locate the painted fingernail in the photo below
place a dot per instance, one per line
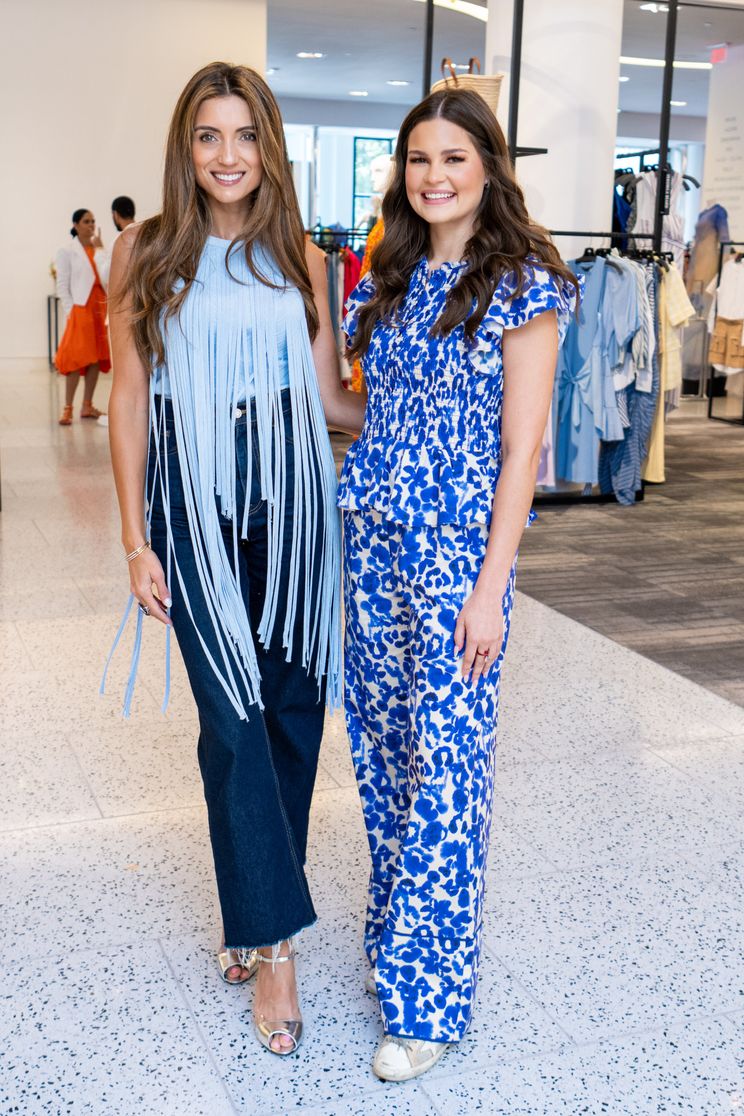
(168, 602)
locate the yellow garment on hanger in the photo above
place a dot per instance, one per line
(675, 310)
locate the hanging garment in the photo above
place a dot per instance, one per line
(728, 308)
(620, 462)
(711, 229)
(726, 351)
(580, 391)
(673, 224)
(676, 311)
(352, 272)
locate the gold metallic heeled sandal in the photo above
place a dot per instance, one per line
(244, 959)
(268, 1029)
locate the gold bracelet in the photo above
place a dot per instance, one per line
(136, 553)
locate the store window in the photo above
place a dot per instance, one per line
(365, 199)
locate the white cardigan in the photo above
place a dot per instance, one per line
(75, 276)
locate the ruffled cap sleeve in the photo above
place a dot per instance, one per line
(542, 291)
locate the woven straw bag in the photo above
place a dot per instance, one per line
(487, 86)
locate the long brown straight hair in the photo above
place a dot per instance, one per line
(505, 239)
(166, 251)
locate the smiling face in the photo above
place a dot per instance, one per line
(85, 228)
(227, 159)
(445, 177)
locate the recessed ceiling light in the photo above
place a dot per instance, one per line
(659, 63)
(271, 70)
(397, 83)
(623, 78)
(655, 8)
(358, 93)
(310, 54)
(678, 104)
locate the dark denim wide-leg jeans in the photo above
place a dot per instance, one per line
(258, 773)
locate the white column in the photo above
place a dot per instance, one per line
(94, 84)
(568, 102)
(723, 180)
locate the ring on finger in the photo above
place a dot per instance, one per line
(485, 654)
(144, 609)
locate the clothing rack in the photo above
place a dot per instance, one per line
(722, 418)
(562, 499)
(333, 240)
(637, 155)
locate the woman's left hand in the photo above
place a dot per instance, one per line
(480, 630)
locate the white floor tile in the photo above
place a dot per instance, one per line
(135, 769)
(625, 948)
(696, 1069)
(42, 783)
(109, 1033)
(103, 883)
(717, 765)
(610, 809)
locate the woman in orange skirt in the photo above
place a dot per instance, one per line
(82, 277)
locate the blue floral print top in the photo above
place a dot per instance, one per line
(430, 450)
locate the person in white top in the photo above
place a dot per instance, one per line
(82, 279)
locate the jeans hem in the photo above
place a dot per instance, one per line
(268, 945)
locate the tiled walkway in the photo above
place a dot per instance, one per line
(613, 980)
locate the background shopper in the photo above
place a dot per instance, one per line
(122, 213)
(82, 276)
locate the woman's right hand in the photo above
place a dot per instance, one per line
(147, 582)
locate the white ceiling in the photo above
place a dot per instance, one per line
(698, 29)
(368, 43)
(365, 45)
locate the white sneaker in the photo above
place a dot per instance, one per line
(400, 1059)
(370, 983)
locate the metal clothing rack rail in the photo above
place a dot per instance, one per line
(637, 155)
(333, 240)
(712, 377)
(560, 499)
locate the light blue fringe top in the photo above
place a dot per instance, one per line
(236, 338)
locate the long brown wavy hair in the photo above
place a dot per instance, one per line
(504, 235)
(168, 246)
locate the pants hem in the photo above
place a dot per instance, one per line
(267, 945)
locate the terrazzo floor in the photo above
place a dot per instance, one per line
(613, 976)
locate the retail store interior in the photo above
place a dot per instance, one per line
(613, 971)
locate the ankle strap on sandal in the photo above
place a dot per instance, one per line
(275, 958)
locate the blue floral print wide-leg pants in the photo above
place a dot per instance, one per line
(424, 747)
